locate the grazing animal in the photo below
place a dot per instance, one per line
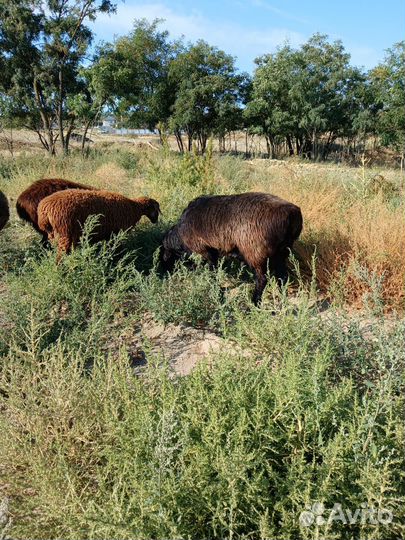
(64, 213)
(257, 227)
(28, 201)
(4, 210)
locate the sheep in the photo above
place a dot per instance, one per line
(259, 228)
(64, 213)
(4, 210)
(28, 201)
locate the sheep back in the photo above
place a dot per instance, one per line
(253, 225)
(29, 199)
(64, 213)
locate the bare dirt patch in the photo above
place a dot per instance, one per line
(182, 345)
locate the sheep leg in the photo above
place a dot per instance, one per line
(64, 246)
(212, 256)
(260, 284)
(167, 259)
(44, 236)
(279, 267)
(45, 241)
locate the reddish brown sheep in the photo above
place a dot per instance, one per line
(4, 210)
(258, 227)
(28, 201)
(63, 214)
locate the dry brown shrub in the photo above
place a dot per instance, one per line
(346, 232)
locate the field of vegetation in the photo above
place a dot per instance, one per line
(302, 404)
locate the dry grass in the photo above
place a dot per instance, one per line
(349, 227)
(111, 176)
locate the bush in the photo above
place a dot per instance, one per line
(238, 448)
(192, 297)
(127, 160)
(74, 300)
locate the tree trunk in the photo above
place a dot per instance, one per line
(62, 141)
(86, 129)
(221, 144)
(202, 138)
(179, 141)
(48, 141)
(268, 146)
(307, 148)
(314, 146)
(273, 148)
(298, 143)
(189, 141)
(290, 145)
(68, 134)
(327, 146)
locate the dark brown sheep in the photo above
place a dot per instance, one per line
(63, 214)
(28, 201)
(257, 227)
(4, 210)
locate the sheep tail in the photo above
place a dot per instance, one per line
(46, 226)
(295, 223)
(22, 213)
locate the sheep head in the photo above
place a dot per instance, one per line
(151, 208)
(171, 250)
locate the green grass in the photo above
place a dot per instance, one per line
(298, 407)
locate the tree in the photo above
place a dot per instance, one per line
(209, 94)
(42, 47)
(134, 72)
(271, 112)
(362, 114)
(388, 84)
(326, 89)
(305, 97)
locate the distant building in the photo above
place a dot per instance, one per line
(108, 125)
(129, 131)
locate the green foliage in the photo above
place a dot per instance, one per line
(387, 81)
(238, 448)
(41, 52)
(133, 73)
(75, 299)
(193, 298)
(234, 172)
(306, 96)
(127, 160)
(304, 100)
(190, 171)
(209, 94)
(197, 170)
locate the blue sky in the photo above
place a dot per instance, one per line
(250, 28)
